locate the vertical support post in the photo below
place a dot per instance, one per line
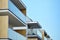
(42, 34)
(3, 26)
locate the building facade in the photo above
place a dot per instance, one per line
(12, 14)
(13, 23)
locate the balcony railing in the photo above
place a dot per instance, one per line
(16, 11)
(15, 36)
(32, 31)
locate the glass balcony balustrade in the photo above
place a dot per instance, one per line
(32, 31)
(14, 35)
(12, 8)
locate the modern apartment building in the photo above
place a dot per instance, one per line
(12, 15)
(13, 23)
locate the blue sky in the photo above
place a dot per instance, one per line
(47, 13)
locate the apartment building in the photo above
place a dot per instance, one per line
(12, 15)
(13, 23)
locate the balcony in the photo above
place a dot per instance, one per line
(33, 30)
(16, 17)
(33, 27)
